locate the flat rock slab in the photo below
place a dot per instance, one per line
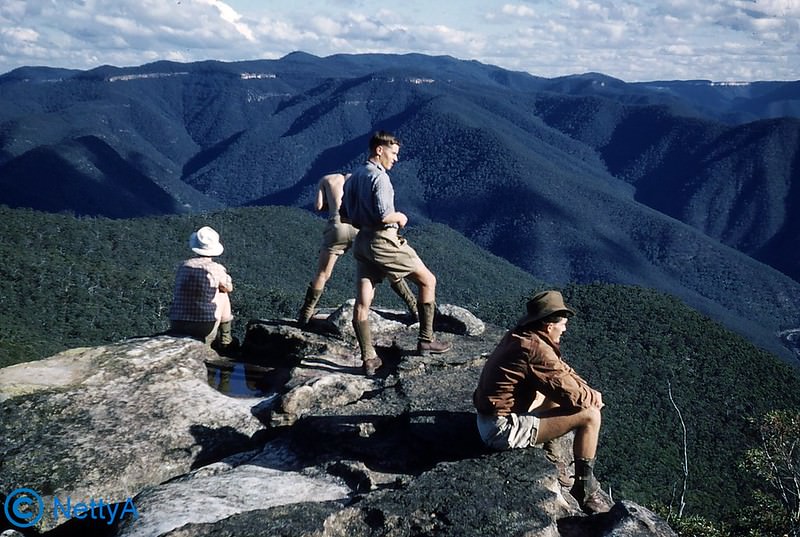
(108, 421)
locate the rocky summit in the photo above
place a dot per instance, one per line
(160, 436)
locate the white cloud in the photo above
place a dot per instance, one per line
(20, 35)
(326, 26)
(518, 10)
(679, 50)
(774, 8)
(121, 32)
(123, 25)
(616, 31)
(629, 39)
(228, 14)
(12, 9)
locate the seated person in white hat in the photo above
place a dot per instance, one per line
(201, 307)
(528, 395)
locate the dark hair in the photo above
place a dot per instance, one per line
(381, 138)
(552, 318)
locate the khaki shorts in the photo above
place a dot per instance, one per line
(337, 237)
(508, 432)
(384, 254)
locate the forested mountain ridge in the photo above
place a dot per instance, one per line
(534, 170)
(739, 185)
(732, 103)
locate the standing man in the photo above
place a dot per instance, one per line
(336, 240)
(368, 204)
(528, 395)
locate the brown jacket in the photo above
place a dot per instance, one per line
(524, 363)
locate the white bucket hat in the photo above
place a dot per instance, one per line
(205, 241)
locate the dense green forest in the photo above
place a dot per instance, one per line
(68, 282)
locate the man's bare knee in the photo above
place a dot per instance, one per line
(593, 416)
(425, 278)
(431, 279)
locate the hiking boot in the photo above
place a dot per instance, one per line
(425, 348)
(371, 365)
(596, 501)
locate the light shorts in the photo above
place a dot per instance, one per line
(337, 237)
(508, 432)
(384, 254)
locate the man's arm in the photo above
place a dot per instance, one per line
(383, 192)
(396, 218)
(224, 280)
(344, 215)
(321, 204)
(561, 384)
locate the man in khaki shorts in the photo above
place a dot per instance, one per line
(528, 395)
(368, 204)
(337, 238)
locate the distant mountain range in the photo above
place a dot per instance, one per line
(690, 187)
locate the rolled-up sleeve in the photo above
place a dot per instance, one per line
(383, 196)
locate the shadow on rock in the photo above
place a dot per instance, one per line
(407, 444)
(276, 343)
(216, 444)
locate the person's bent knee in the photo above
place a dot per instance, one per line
(426, 278)
(593, 416)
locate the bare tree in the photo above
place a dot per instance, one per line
(682, 503)
(777, 461)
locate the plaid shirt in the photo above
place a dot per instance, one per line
(196, 285)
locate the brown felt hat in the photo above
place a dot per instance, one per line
(543, 305)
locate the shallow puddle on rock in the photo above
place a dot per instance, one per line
(242, 379)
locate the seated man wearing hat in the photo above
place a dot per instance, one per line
(528, 395)
(201, 307)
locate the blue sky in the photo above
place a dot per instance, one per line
(634, 40)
